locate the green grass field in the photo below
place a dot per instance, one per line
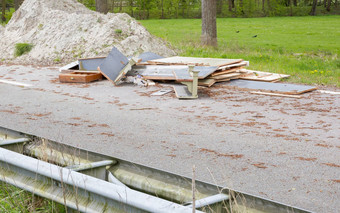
(307, 48)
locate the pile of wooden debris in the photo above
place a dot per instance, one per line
(190, 72)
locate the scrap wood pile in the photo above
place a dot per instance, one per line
(189, 72)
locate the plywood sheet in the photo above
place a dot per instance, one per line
(178, 60)
(147, 56)
(292, 89)
(113, 64)
(164, 72)
(90, 63)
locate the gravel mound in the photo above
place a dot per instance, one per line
(64, 30)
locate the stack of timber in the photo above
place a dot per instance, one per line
(211, 70)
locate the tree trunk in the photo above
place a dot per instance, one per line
(162, 5)
(101, 6)
(120, 6)
(325, 3)
(233, 3)
(230, 5)
(209, 29)
(263, 5)
(336, 3)
(313, 11)
(131, 7)
(269, 6)
(329, 5)
(3, 11)
(295, 3)
(219, 6)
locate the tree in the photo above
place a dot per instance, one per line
(3, 11)
(329, 5)
(101, 6)
(313, 11)
(209, 29)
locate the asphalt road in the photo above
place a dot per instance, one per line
(285, 149)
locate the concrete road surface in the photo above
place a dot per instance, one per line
(285, 149)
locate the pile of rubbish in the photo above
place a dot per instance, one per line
(64, 30)
(188, 72)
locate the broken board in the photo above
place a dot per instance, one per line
(178, 60)
(76, 77)
(115, 66)
(164, 72)
(292, 89)
(262, 76)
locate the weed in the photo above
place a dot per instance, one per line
(118, 31)
(40, 26)
(22, 48)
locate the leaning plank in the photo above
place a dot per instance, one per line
(115, 66)
(164, 72)
(262, 76)
(275, 94)
(178, 60)
(70, 67)
(291, 89)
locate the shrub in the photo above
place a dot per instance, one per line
(22, 48)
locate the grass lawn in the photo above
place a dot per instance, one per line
(307, 48)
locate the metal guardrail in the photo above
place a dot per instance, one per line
(77, 191)
(90, 182)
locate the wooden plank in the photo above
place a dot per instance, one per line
(242, 64)
(208, 82)
(275, 94)
(79, 77)
(227, 76)
(235, 69)
(178, 60)
(291, 89)
(262, 76)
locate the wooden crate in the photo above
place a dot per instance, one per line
(76, 77)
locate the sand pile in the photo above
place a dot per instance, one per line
(65, 30)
